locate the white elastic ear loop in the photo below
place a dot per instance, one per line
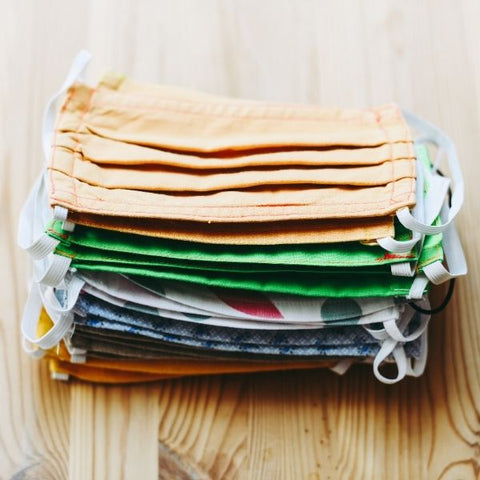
(444, 143)
(396, 333)
(391, 347)
(76, 71)
(425, 210)
(454, 256)
(32, 350)
(418, 287)
(399, 246)
(62, 316)
(31, 236)
(31, 314)
(36, 243)
(49, 268)
(416, 366)
(51, 271)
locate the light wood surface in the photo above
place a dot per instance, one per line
(425, 55)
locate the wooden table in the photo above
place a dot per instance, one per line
(424, 55)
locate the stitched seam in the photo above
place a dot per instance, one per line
(411, 151)
(387, 140)
(171, 215)
(240, 103)
(226, 101)
(290, 116)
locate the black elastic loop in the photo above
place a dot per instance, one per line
(445, 302)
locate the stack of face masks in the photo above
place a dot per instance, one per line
(178, 233)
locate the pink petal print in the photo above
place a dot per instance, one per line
(253, 303)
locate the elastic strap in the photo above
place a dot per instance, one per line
(62, 316)
(446, 148)
(36, 242)
(377, 334)
(61, 213)
(392, 344)
(399, 246)
(418, 287)
(390, 347)
(33, 241)
(32, 350)
(77, 355)
(416, 366)
(76, 71)
(52, 270)
(49, 268)
(404, 269)
(396, 333)
(64, 377)
(436, 272)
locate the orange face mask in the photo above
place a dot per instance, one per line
(132, 151)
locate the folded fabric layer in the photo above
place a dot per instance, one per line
(351, 341)
(234, 206)
(298, 283)
(99, 246)
(351, 254)
(200, 302)
(273, 233)
(331, 313)
(105, 151)
(188, 121)
(174, 180)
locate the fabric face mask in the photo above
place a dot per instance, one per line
(201, 300)
(182, 120)
(233, 206)
(167, 179)
(242, 119)
(94, 313)
(271, 233)
(115, 370)
(143, 253)
(343, 315)
(112, 245)
(100, 161)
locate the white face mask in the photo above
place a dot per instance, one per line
(232, 304)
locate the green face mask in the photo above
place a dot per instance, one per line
(321, 281)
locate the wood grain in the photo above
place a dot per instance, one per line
(425, 55)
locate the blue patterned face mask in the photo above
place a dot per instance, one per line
(94, 318)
